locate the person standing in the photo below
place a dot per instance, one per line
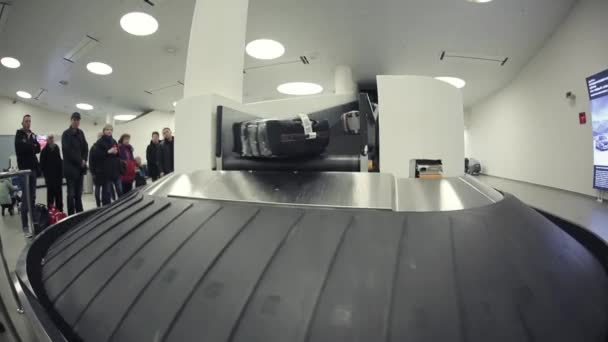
(126, 156)
(106, 155)
(140, 173)
(75, 155)
(153, 156)
(95, 172)
(26, 148)
(167, 156)
(52, 169)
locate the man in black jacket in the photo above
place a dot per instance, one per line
(167, 156)
(26, 148)
(75, 154)
(52, 168)
(153, 156)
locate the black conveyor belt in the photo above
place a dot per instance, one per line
(161, 269)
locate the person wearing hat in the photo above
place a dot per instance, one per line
(75, 154)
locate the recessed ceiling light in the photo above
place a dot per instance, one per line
(24, 94)
(456, 82)
(139, 23)
(84, 106)
(99, 68)
(265, 49)
(300, 88)
(124, 117)
(10, 62)
(174, 103)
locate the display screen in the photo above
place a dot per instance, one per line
(598, 93)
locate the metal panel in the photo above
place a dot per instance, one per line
(446, 194)
(332, 189)
(345, 190)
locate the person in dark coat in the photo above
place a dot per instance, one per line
(75, 155)
(167, 155)
(94, 169)
(26, 148)
(126, 156)
(52, 169)
(140, 173)
(153, 157)
(108, 164)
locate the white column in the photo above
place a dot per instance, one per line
(216, 49)
(343, 79)
(214, 74)
(420, 118)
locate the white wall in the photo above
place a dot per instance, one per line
(420, 118)
(141, 130)
(529, 131)
(44, 121)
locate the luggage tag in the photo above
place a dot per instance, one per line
(307, 124)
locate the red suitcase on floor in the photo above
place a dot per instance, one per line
(55, 215)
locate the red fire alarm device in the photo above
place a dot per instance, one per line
(582, 118)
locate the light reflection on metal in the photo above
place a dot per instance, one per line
(329, 189)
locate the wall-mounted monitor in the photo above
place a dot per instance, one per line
(598, 94)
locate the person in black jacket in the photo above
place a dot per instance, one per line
(26, 148)
(167, 156)
(52, 169)
(108, 164)
(153, 157)
(75, 155)
(94, 168)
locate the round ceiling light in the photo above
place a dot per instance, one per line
(456, 82)
(124, 117)
(174, 103)
(99, 68)
(300, 88)
(265, 49)
(139, 23)
(24, 94)
(84, 106)
(10, 62)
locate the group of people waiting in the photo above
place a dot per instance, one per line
(112, 165)
(115, 169)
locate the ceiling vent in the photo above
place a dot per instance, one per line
(4, 9)
(81, 49)
(501, 60)
(306, 59)
(160, 89)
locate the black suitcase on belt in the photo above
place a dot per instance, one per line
(300, 137)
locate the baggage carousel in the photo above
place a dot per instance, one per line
(281, 257)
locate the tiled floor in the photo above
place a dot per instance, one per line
(13, 242)
(579, 209)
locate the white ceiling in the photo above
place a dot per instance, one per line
(40, 33)
(373, 37)
(401, 37)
